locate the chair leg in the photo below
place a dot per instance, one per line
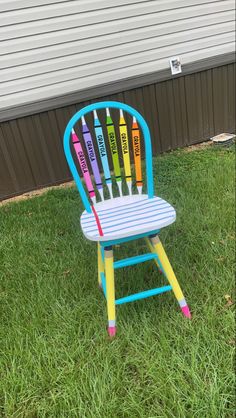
(110, 291)
(152, 249)
(100, 265)
(166, 266)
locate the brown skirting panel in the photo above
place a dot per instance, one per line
(180, 112)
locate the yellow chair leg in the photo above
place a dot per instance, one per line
(100, 265)
(166, 266)
(152, 249)
(110, 291)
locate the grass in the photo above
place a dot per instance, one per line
(56, 358)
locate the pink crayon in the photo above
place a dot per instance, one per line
(92, 156)
(83, 165)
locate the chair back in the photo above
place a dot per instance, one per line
(85, 146)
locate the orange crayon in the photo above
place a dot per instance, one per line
(137, 154)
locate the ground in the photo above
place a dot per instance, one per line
(56, 357)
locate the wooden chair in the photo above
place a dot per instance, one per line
(131, 215)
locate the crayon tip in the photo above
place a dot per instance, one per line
(72, 131)
(95, 114)
(109, 185)
(112, 331)
(83, 120)
(134, 119)
(101, 193)
(119, 187)
(121, 113)
(129, 184)
(107, 111)
(186, 311)
(140, 189)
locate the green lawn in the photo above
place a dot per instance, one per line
(56, 358)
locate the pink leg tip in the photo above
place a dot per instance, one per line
(112, 331)
(186, 311)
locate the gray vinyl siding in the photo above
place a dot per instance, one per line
(50, 48)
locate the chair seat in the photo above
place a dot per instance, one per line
(126, 216)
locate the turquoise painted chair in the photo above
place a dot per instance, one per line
(131, 215)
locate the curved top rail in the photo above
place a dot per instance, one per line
(113, 105)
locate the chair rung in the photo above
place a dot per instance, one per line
(142, 295)
(134, 260)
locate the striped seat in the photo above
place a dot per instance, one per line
(126, 216)
(101, 148)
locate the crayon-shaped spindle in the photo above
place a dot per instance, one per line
(137, 154)
(102, 151)
(125, 150)
(114, 149)
(92, 156)
(83, 165)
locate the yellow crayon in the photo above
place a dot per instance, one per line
(137, 154)
(125, 150)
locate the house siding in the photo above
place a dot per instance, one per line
(52, 48)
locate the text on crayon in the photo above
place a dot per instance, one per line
(83, 164)
(101, 145)
(136, 146)
(124, 143)
(113, 143)
(90, 150)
